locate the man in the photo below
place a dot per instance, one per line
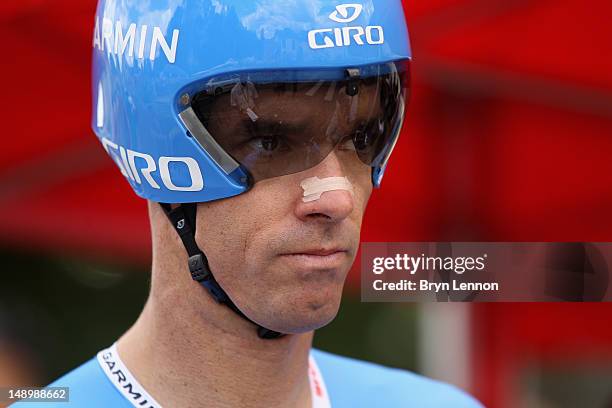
(258, 129)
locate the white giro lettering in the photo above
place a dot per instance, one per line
(315, 35)
(197, 182)
(338, 35)
(381, 35)
(346, 36)
(146, 171)
(107, 143)
(125, 162)
(357, 36)
(110, 145)
(146, 167)
(117, 39)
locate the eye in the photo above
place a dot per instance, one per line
(366, 136)
(361, 139)
(267, 144)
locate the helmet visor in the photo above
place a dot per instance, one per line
(275, 123)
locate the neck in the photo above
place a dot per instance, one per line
(186, 350)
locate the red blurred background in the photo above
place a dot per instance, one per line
(508, 139)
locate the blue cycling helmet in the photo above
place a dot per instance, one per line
(197, 100)
(152, 60)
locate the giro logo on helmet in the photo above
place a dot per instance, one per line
(346, 36)
(341, 14)
(133, 165)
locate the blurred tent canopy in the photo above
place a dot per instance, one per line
(507, 136)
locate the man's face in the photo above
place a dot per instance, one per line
(281, 260)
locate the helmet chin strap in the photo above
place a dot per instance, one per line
(183, 219)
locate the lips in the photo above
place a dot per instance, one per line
(318, 252)
(317, 258)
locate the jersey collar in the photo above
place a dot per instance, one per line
(123, 380)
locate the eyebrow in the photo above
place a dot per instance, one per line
(267, 124)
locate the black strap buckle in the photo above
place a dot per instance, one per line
(199, 268)
(200, 272)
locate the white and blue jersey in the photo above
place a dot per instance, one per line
(335, 381)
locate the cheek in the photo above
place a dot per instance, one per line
(366, 190)
(363, 190)
(230, 231)
(221, 231)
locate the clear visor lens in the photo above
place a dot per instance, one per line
(278, 127)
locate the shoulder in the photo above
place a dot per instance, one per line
(357, 383)
(88, 387)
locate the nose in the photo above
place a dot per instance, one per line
(333, 206)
